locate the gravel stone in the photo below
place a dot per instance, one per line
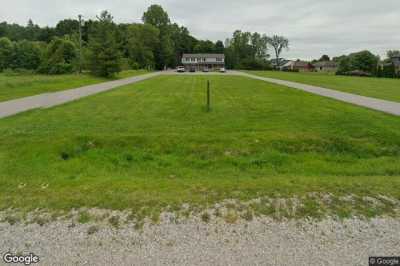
(262, 241)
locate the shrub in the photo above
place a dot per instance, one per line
(363, 63)
(26, 55)
(59, 57)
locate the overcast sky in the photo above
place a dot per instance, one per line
(314, 27)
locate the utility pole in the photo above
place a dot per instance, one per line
(80, 43)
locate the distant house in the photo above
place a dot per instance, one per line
(326, 66)
(200, 62)
(396, 63)
(281, 62)
(300, 66)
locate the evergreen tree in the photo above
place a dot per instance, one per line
(104, 58)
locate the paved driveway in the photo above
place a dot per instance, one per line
(47, 100)
(371, 103)
(13, 107)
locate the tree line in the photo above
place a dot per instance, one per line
(108, 47)
(365, 63)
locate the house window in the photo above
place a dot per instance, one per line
(192, 59)
(219, 59)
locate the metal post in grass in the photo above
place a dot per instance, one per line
(208, 97)
(80, 44)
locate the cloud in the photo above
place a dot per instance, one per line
(313, 27)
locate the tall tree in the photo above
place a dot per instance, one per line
(365, 61)
(219, 47)
(393, 53)
(67, 27)
(164, 54)
(278, 43)
(104, 56)
(324, 58)
(6, 48)
(26, 55)
(259, 44)
(204, 47)
(156, 16)
(142, 40)
(32, 31)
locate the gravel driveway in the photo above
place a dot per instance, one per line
(193, 242)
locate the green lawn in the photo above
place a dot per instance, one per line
(381, 88)
(22, 85)
(152, 144)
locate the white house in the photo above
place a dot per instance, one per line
(199, 62)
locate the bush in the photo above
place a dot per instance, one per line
(363, 63)
(59, 58)
(135, 65)
(291, 70)
(17, 72)
(26, 55)
(253, 64)
(358, 73)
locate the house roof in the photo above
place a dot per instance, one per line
(203, 56)
(396, 60)
(326, 64)
(300, 64)
(281, 62)
(288, 63)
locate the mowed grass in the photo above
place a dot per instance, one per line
(13, 86)
(153, 145)
(381, 88)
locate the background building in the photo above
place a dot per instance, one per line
(200, 62)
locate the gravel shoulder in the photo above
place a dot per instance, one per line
(262, 241)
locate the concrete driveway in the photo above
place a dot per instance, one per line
(47, 100)
(368, 102)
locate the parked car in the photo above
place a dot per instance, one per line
(222, 70)
(205, 69)
(180, 69)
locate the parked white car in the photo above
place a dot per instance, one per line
(222, 70)
(180, 69)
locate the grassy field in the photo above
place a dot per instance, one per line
(381, 88)
(152, 145)
(21, 85)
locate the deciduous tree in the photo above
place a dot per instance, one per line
(278, 43)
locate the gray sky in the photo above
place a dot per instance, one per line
(314, 27)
